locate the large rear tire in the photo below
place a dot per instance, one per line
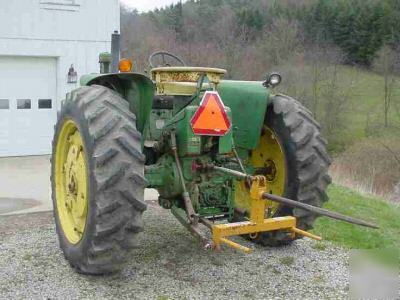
(97, 180)
(302, 174)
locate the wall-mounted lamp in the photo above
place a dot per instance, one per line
(72, 75)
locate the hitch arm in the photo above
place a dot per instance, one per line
(192, 216)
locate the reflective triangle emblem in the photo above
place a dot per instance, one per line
(211, 118)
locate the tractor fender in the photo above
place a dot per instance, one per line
(136, 88)
(248, 101)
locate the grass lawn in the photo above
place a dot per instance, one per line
(375, 210)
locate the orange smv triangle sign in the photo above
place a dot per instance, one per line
(211, 118)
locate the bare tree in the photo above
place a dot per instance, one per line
(395, 155)
(282, 41)
(385, 64)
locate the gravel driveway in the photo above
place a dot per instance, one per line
(169, 264)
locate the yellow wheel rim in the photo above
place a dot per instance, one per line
(71, 182)
(267, 159)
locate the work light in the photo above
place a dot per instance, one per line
(273, 80)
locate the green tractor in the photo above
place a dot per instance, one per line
(224, 154)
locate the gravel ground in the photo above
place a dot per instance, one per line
(169, 264)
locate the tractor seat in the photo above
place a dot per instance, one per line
(182, 81)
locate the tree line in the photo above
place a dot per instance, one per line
(359, 28)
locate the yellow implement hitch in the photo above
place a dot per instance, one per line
(257, 222)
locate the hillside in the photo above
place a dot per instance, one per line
(359, 97)
(341, 59)
(375, 210)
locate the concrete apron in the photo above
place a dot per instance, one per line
(13, 205)
(25, 185)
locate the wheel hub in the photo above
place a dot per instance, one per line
(270, 170)
(268, 160)
(71, 182)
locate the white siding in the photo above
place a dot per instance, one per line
(92, 21)
(72, 34)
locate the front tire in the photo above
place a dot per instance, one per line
(97, 184)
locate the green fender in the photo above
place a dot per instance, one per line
(248, 101)
(136, 88)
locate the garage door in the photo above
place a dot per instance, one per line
(28, 107)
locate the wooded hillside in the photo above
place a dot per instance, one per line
(340, 58)
(267, 30)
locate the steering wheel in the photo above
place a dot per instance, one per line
(165, 63)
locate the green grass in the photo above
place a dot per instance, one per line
(366, 101)
(375, 210)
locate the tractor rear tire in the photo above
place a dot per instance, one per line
(114, 181)
(307, 163)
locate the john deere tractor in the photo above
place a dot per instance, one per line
(228, 155)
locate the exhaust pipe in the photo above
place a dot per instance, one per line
(115, 51)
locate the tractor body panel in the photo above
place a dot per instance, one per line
(190, 144)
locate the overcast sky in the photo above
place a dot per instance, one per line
(146, 5)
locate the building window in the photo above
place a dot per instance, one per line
(23, 103)
(4, 104)
(68, 5)
(44, 104)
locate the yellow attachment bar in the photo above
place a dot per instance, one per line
(220, 231)
(236, 245)
(258, 204)
(305, 233)
(257, 222)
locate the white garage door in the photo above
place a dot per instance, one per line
(28, 107)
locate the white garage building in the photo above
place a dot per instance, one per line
(41, 41)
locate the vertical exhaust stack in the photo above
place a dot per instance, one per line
(115, 51)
